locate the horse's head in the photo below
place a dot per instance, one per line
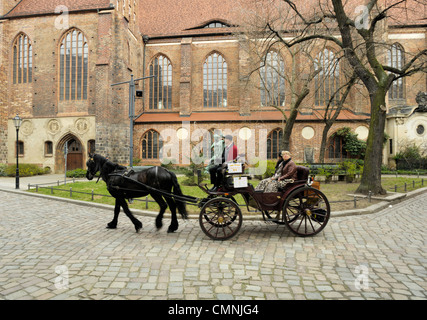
(92, 166)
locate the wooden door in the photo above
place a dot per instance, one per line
(75, 155)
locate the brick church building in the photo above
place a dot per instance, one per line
(58, 60)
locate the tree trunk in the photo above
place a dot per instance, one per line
(324, 141)
(371, 178)
(287, 131)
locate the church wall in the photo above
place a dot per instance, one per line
(114, 50)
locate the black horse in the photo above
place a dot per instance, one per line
(125, 184)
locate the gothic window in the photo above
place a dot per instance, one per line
(326, 82)
(274, 140)
(396, 59)
(272, 80)
(336, 148)
(73, 66)
(215, 81)
(161, 85)
(22, 59)
(151, 145)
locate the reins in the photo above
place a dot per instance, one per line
(191, 199)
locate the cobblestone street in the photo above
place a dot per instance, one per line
(53, 250)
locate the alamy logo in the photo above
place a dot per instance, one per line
(362, 277)
(362, 20)
(62, 22)
(62, 280)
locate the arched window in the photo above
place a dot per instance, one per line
(396, 59)
(272, 80)
(215, 81)
(161, 85)
(274, 140)
(336, 148)
(73, 66)
(326, 82)
(151, 145)
(22, 59)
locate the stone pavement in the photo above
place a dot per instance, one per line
(55, 250)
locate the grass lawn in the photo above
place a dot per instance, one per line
(335, 191)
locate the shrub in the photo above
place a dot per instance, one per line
(77, 173)
(25, 170)
(410, 158)
(327, 172)
(352, 144)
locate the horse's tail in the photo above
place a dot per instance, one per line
(182, 209)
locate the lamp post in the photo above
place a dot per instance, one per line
(131, 111)
(17, 121)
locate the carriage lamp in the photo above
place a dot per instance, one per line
(17, 121)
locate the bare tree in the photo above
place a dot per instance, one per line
(358, 31)
(284, 82)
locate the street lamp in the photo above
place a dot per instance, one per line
(17, 121)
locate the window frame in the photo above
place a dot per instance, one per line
(154, 152)
(20, 148)
(73, 66)
(160, 87)
(327, 81)
(48, 145)
(396, 59)
(267, 98)
(22, 59)
(274, 141)
(333, 145)
(214, 79)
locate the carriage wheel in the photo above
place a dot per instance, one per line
(220, 218)
(306, 211)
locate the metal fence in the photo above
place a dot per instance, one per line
(405, 185)
(147, 200)
(51, 186)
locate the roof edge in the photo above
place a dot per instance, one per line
(31, 15)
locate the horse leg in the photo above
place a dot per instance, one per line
(163, 206)
(113, 223)
(174, 221)
(135, 221)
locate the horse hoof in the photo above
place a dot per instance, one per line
(138, 227)
(159, 225)
(172, 230)
(111, 227)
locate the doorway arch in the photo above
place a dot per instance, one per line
(75, 156)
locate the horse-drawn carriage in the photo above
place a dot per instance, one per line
(302, 207)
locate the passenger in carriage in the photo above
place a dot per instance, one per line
(286, 172)
(228, 155)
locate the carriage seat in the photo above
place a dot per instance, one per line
(302, 173)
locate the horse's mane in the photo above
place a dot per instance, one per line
(109, 165)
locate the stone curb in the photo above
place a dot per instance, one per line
(396, 198)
